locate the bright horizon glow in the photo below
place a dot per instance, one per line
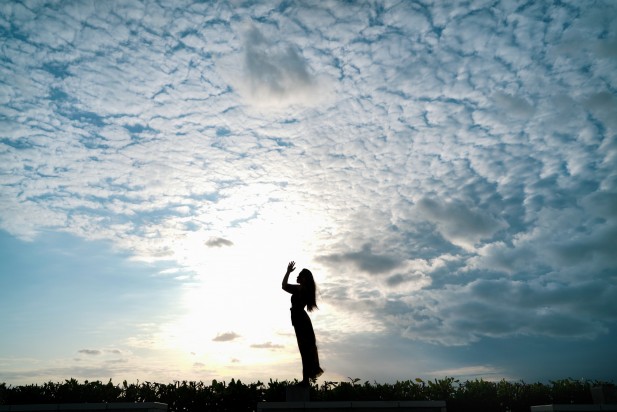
(247, 276)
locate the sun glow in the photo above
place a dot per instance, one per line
(235, 313)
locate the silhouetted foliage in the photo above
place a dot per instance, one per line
(189, 396)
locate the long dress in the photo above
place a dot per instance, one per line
(305, 336)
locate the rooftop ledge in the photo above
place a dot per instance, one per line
(87, 407)
(376, 406)
(574, 408)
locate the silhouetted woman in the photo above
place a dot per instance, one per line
(303, 295)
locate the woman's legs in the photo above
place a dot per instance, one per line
(308, 349)
(310, 360)
(302, 347)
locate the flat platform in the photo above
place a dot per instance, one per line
(88, 407)
(376, 406)
(574, 408)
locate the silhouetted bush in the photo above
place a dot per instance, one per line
(189, 396)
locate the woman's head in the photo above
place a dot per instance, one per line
(305, 278)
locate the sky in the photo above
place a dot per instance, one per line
(447, 171)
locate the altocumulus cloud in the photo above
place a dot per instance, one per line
(90, 351)
(267, 345)
(272, 72)
(226, 337)
(218, 242)
(463, 155)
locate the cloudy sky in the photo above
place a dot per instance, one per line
(448, 172)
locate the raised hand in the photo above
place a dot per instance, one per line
(291, 267)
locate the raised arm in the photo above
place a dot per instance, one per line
(286, 286)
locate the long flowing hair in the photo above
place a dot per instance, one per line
(310, 291)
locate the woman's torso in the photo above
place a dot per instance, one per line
(298, 300)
